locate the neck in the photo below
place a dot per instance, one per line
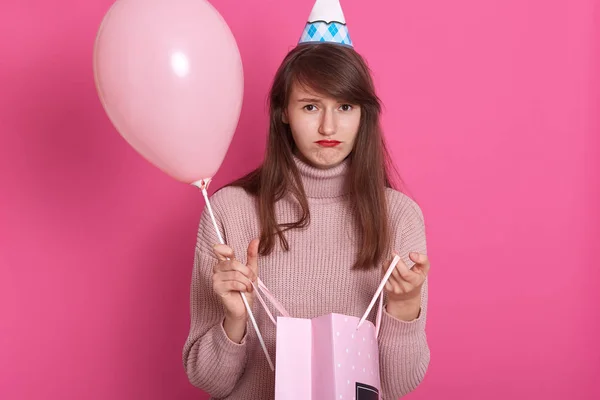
(323, 183)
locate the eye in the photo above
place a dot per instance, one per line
(346, 107)
(310, 107)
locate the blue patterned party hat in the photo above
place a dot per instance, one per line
(326, 24)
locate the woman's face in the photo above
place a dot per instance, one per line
(324, 129)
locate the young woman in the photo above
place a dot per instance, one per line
(318, 222)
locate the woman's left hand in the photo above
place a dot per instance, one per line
(405, 284)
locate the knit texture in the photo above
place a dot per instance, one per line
(313, 278)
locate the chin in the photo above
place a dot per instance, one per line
(327, 160)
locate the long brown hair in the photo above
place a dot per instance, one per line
(341, 73)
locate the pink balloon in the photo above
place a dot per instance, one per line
(169, 75)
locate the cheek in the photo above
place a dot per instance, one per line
(356, 122)
(299, 134)
(351, 127)
(302, 129)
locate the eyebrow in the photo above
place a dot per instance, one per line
(309, 100)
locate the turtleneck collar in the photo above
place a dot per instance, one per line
(323, 183)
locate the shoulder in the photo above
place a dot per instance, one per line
(233, 205)
(403, 208)
(235, 212)
(407, 224)
(231, 197)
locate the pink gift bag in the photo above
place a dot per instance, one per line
(333, 356)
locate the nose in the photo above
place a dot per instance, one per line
(328, 123)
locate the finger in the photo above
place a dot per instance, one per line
(388, 286)
(237, 266)
(240, 286)
(224, 265)
(422, 270)
(422, 264)
(417, 282)
(405, 273)
(252, 256)
(396, 273)
(223, 288)
(236, 276)
(387, 264)
(400, 286)
(239, 277)
(223, 252)
(420, 259)
(391, 286)
(234, 286)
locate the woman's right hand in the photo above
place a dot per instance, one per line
(230, 277)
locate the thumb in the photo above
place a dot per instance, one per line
(252, 259)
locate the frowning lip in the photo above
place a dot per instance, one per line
(328, 143)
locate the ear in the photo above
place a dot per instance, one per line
(284, 117)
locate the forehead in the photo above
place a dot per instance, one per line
(299, 92)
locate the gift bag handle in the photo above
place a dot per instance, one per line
(379, 293)
(260, 286)
(269, 296)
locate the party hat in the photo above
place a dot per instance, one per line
(326, 24)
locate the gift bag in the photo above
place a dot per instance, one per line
(326, 358)
(333, 356)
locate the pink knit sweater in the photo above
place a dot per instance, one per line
(311, 279)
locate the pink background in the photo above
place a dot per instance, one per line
(492, 115)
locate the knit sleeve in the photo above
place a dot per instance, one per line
(212, 361)
(404, 352)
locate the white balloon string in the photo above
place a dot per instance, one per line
(250, 314)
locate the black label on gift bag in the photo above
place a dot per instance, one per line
(366, 392)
